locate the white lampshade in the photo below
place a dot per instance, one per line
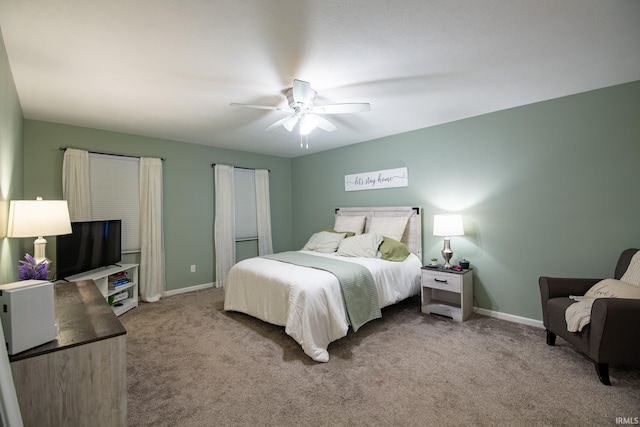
(38, 218)
(35, 218)
(448, 225)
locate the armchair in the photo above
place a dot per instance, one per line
(613, 335)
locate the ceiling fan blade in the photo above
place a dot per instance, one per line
(325, 124)
(302, 92)
(341, 108)
(288, 122)
(262, 107)
(277, 123)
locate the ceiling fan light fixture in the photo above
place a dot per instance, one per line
(308, 123)
(290, 122)
(304, 113)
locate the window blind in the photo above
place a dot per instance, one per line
(245, 204)
(114, 184)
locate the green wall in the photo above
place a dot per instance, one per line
(188, 190)
(546, 189)
(11, 166)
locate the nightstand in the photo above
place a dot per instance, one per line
(447, 292)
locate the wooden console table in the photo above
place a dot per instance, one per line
(80, 378)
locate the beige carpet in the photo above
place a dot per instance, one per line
(192, 364)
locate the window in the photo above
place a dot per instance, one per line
(245, 204)
(113, 182)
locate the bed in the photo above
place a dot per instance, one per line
(334, 282)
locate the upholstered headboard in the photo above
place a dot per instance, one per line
(413, 232)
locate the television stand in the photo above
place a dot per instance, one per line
(111, 293)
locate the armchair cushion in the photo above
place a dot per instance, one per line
(557, 308)
(560, 287)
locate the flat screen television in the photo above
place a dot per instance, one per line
(91, 245)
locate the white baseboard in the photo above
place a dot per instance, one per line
(188, 289)
(480, 311)
(509, 317)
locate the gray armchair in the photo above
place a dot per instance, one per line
(612, 337)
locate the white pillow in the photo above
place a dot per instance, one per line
(363, 245)
(354, 224)
(632, 275)
(324, 241)
(389, 226)
(612, 288)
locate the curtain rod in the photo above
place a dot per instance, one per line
(238, 167)
(107, 154)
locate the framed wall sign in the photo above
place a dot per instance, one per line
(388, 178)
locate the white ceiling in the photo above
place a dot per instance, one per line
(170, 68)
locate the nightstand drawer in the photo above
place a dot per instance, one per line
(438, 280)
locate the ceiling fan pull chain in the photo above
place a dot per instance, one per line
(304, 143)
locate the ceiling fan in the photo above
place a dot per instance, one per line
(302, 111)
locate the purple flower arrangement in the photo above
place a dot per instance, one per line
(30, 269)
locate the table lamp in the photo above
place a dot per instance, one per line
(38, 218)
(447, 226)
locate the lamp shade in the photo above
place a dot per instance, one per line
(35, 218)
(447, 225)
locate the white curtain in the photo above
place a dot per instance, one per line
(263, 211)
(75, 184)
(224, 223)
(152, 261)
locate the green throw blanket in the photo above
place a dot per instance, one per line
(358, 288)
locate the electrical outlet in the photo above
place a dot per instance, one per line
(193, 268)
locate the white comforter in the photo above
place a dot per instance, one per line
(307, 301)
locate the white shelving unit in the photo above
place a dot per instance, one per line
(101, 278)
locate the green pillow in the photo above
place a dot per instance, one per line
(392, 250)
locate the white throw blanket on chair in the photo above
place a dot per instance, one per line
(578, 315)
